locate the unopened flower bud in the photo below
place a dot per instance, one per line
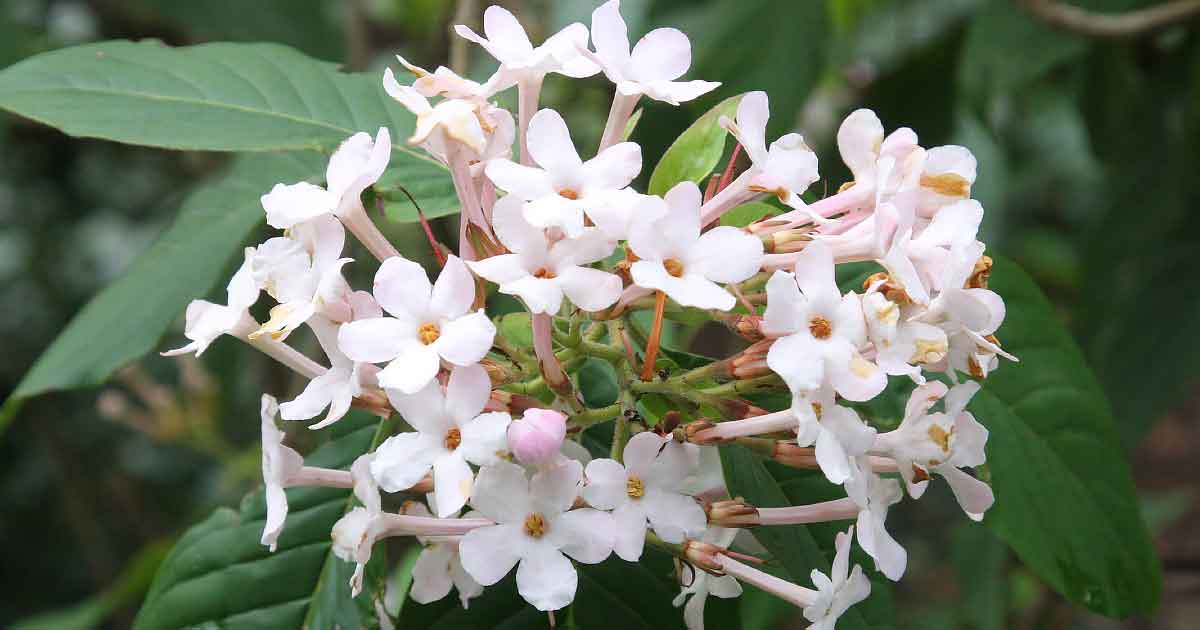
(787, 241)
(732, 513)
(703, 556)
(537, 437)
(696, 433)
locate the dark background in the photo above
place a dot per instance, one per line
(1088, 166)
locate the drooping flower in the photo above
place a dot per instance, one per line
(339, 385)
(428, 324)
(357, 164)
(821, 332)
(541, 271)
(645, 493)
(652, 67)
(279, 464)
(697, 585)
(942, 443)
(303, 272)
(205, 321)
(451, 430)
(438, 568)
(561, 191)
(675, 258)
(839, 590)
(874, 495)
(355, 533)
(535, 530)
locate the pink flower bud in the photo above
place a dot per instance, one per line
(538, 436)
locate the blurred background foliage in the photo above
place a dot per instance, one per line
(1088, 158)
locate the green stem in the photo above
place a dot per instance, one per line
(592, 417)
(744, 387)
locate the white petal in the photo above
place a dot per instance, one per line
(676, 92)
(402, 460)
(424, 409)
(609, 33)
(613, 168)
(673, 516)
(787, 310)
(415, 365)
(277, 511)
(815, 276)
(526, 182)
(467, 587)
(454, 291)
(290, 204)
(541, 295)
(508, 220)
(590, 289)
(502, 269)
(467, 393)
(855, 436)
(831, 457)
(859, 139)
(584, 534)
(467, 339)
(629, 531)
(663, 54)
(402, 288)
(550, 143)
(605, 487)
(374, 340)
(505, 33)
(502, 494)
(546, 578)
(485, 438)
(452, 483)
(973, 495)
(857, 379)
(554, 490)
(358, 163)
(797, 360)
(700, 292)
(315, 397)
(431, 575)
(641, 451)
(726, 254)
(489, 553)
(752, 114)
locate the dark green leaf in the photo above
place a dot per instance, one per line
(218, 575)
(1065, 499)
(127, 319)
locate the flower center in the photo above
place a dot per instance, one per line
(949, 184)
(820, 328)
(428, 333)
(568, 193)
(634, 487)
(535, 525)
(453, 438)
(674, 267)
(941, 437)
(545, 274)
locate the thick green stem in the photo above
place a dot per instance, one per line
(592, 417)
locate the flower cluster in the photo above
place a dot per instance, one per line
(493, 456)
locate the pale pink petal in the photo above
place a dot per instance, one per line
(415, 365)
(674, 517)
(590, 289)
(663, 54)
(614, 167)
(467, 339)
(402, 288)
(454, 291)
(584, 534)
(550, 142)
(726, 254)
(526, 182)
(541, 295)
(555, 490)
(858, 140)
(489, 553)
(467, 393)
(606, 484)
(502, 494)
(546, 578)
(374, 340)
(500, 269)
(517, 234)
(609, 33)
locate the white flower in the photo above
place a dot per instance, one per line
(303, 272)
(338, 386)
(357, 164)
(205, 321)
(787, 168)
(355, 533)
(839, 434)
(947, 177)
(540, 271)
(839, 590)
(451, 431)
(439, 568)
(647, 488)
(874, 495)
(447, 83)
(453, 120)
(535, 527)
(700, 584)
(901, 347)
(507, 41)
(565, 187)
(279, 463)
(821, 332)
(870, 156)
(941, 443)
(654, 64)
(428, 324)
(675, 258)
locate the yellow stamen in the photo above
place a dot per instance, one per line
(535, 525)
(453, 438)
(949, 184)
(674, 267)
(568, 193)
(428, 333)
(634, 487)
(820, 328)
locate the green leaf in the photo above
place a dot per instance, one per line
(796, 547)
(127, 319)
(748, 213)
(1065, 499)
(695, 153)
(217, 97)
(219, 575)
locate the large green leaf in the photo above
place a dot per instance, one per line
(219, 576)
(799, 549)
(127, 319)
(1065, 499)
(695, 154)
(219, 97)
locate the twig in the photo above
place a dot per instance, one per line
(1112, 26)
